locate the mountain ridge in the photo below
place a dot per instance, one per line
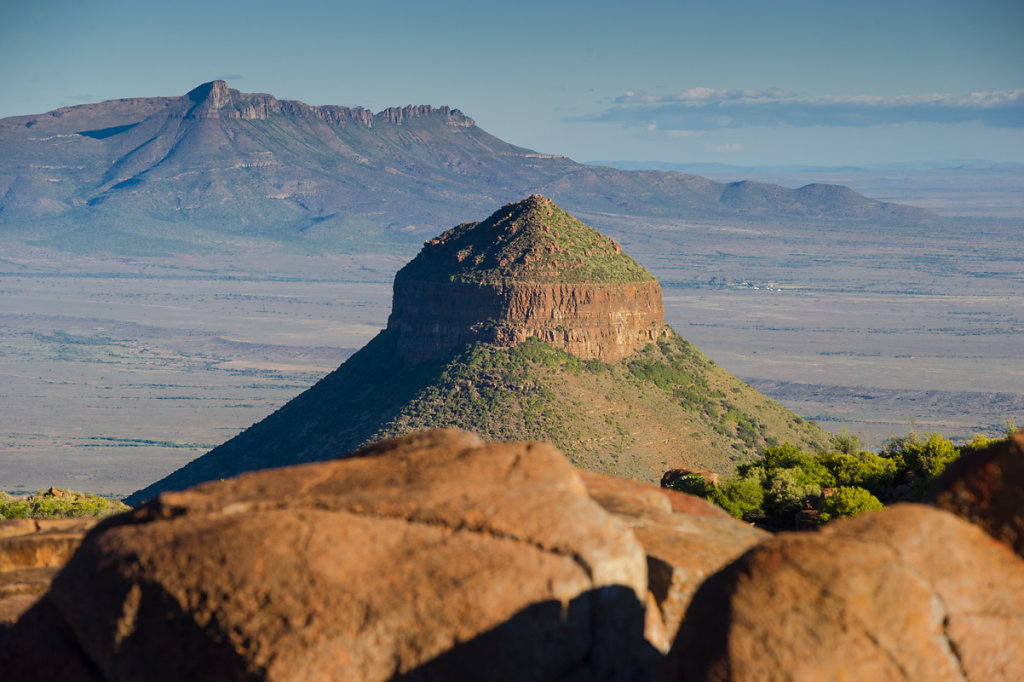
(218, 169)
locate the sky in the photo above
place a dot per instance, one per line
(740, 82)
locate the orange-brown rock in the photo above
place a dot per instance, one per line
(31, 553)
(673, 476)
(908, 593)
(29, 543)
(529, 270)
(987, 489)
(589, 320)
(426, 557)
(686, 539)
(21, 589)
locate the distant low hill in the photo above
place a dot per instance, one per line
(527, 325)
(957, 188)
(217, 169)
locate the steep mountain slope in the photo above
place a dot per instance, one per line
(218, 168)
(524, 365)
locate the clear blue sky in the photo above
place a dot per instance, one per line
(750, 82)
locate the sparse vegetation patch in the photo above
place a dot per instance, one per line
(57, 503)
(533, 240)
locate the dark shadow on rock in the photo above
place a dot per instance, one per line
(700, 644)
(43, 645)
(40, 646)
(986, 488)
(597, 636)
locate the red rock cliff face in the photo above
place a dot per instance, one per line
(589, 320)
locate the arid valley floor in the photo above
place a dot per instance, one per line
(115, 371)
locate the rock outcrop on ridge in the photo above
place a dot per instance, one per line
(530, 270)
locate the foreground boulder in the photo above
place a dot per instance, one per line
(987, 489)
(426, 557)
(31, 553)
(908, 593)
(686, 539)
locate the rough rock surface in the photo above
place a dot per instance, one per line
(32, 543)
(987, 489)
(529, 270)
(602, 321)
(908, 593)
(426, 557)
(686, 539)
(31, 553)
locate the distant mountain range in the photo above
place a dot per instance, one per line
(218, 169)
(955, 188)
(712, 168)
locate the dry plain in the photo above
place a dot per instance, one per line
(116, 371)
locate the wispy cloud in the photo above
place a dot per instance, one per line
(685, 133)
(728, 148)
(709, 109)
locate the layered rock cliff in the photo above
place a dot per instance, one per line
(530, 270)
(216, 100)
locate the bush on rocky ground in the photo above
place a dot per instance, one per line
(58, 503)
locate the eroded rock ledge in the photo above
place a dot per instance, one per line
(592, 321)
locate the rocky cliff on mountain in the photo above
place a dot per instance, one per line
(530, 270)
(216, 100)
(527, 325)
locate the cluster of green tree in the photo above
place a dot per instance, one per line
(57, 503)
(843, 481)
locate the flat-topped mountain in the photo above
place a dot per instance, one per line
(527, 325)
(217, 169)
(530, 270)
